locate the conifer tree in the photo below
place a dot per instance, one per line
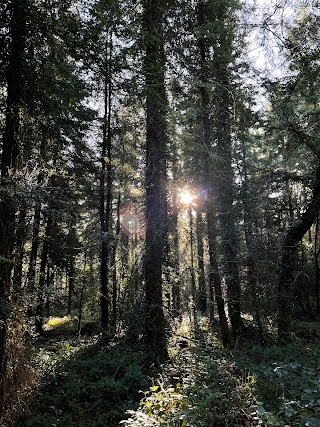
(156, 203)
(296, 113)
(10, 161)
(204, 12)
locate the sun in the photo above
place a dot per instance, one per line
(186, 198)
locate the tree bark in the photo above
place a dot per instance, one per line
(192, 264)
(71, 282)
(10, 164)
(249, 236)
(42, 278)
(84, 283)
(206, 133)
(31, 275)
(20, 242)
(225, 199)
(202, 294)
(317, 267)
(174, 258)
(114, 267)
(215, 280)
(156, 204)
(106, 179)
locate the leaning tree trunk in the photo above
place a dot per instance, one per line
(290, 245)
(156, 204)
(10, 164)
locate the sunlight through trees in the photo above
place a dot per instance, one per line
(160, 191)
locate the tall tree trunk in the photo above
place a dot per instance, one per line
(214, 277)
(156, 215)
(176, 286)
(290, 245)
(106, 179)
(317, 267)
(10, 164)
(202, 294)
(42, 278)
(84, 283)
(31, 275)
(225, 198)
(192, 266)
(249, 236)
(114, 267)
(20, 241)
(174, 258)
(49, 280)
(71, 281)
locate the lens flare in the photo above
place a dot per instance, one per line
(132, 221)
(186, 198)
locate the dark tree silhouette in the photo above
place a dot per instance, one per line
(156, 205)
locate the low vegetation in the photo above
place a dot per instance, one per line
(89, 382)
(159, 166)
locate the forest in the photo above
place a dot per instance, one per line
(159, 213)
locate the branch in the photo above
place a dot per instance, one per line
(302, 225)
(306, 139)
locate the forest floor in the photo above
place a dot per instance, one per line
(86, 382)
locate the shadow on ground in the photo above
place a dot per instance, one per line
(86, 382)
(89, 383)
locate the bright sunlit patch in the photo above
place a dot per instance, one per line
(53, 322)
(186, 198)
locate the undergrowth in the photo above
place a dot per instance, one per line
(19, 378)
(253, 386)
(92, 387)
(88, 383)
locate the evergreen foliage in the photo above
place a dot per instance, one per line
(159, 183)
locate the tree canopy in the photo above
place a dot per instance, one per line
(160, 161)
